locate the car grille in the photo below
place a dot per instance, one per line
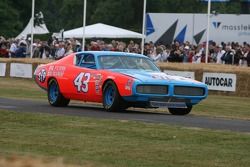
(188, 91)
(152, 89)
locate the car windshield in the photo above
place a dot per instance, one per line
(126, 62)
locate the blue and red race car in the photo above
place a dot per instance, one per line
(118, 80)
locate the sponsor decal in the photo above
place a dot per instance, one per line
(224, 27)
(98, 82)
(220, 81)
(42, 76)
(231, 27)
(81, 82)
(57, 71)
(128, 85)
(160, 76)
(240, 27)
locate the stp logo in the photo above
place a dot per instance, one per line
(42, 75)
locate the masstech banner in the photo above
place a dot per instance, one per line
(165, 28)
(220, 81)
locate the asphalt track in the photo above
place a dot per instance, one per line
(96, 111)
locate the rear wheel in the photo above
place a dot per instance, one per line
(112, 100)
(55, 97)
(180, 111)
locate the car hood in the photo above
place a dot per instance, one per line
(154, 77)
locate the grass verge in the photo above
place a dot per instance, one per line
(119, 143)
(20, 88)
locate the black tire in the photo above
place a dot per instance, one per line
(180, 111)
(55, 97)
(111, 98)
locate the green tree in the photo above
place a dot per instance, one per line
(9, 17)
(67, 14)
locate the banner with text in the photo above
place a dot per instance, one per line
(186, 74)
(2, 69)
(220, 81)
(164, 28)
(21, 70)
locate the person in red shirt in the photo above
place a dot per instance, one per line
(4, 52)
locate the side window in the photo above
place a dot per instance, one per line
(86, 61)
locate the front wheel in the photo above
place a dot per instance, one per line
(112, 100)
(180, 111)
(55, 97)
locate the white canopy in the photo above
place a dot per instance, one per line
(100, 30)
(38, 29)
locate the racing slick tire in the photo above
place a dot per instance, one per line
(55, 97)
(180, 111)
(112, 100)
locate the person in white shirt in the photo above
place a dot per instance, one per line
(60, 51)
(220, 52)
(13, 48)
(160, 55)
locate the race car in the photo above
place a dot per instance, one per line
(119, 80)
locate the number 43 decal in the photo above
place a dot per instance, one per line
(81, 82)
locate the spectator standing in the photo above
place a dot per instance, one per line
(245, 59)
(175, 54)
(78, 47)
(60, 51)
(198, 54)
(13, 48)
(94, 46)
(3, 50)
(238, 54)
(159, 56)
(186, 54)
(21, 50)
(220, 52)
(248, 54)
(36, 50)
(227, 57)
(69, 49)
(44, 51)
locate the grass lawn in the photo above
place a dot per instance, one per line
(97, 142)
(215, 106)
(119, 143)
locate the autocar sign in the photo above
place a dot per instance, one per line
(220, 81)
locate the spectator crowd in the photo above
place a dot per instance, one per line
(223, 53)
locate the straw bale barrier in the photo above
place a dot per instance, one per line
(242, 73)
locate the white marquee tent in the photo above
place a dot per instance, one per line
(100, 30)
(38, 29)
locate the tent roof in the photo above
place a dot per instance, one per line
(42, 29)
(100, 30)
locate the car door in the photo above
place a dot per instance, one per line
(83, 78)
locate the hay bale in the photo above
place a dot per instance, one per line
(242, 74)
